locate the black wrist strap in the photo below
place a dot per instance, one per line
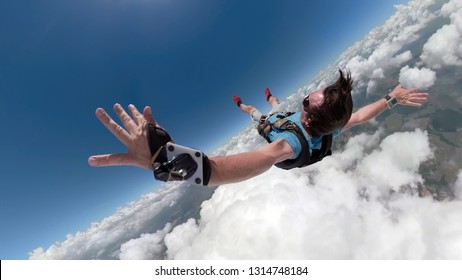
(207, 169)
(172, 162)
(157, 139)
(391, 101)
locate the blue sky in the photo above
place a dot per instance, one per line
(60, 60)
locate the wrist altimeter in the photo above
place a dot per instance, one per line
(391, 101)
(172, 162)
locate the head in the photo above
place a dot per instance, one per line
(327, 110)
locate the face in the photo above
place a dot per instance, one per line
(313, 99)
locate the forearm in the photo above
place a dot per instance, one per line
(240, 167)
(371, 111)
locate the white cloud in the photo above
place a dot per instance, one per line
(371, 86)
(147, 247)
(451, 7)
(445, 46)
(415, 77)
(384, 57)
(378, 74)
(339, 209)
(458, 186)
(395, 164)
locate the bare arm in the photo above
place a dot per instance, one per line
(243, 166)
(407, 97)
(366, 113)
(227, 169)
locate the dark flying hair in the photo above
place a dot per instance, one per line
(336, 108)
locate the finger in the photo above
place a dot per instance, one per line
(413, 104)
(420, 95)
(112, 126)
(413, 90)
(109, 160)
(148, 115)
(418, 99)
(139, 119)
(128, 122)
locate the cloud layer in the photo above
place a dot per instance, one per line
(125, 234)
(360, 203)
(341, 208)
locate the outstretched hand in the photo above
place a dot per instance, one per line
(409, 97)
(134, 136)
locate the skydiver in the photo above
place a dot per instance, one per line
(295, 139)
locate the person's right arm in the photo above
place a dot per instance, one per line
(243, 166)
(224, 170)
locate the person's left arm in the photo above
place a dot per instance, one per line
(408, 97)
